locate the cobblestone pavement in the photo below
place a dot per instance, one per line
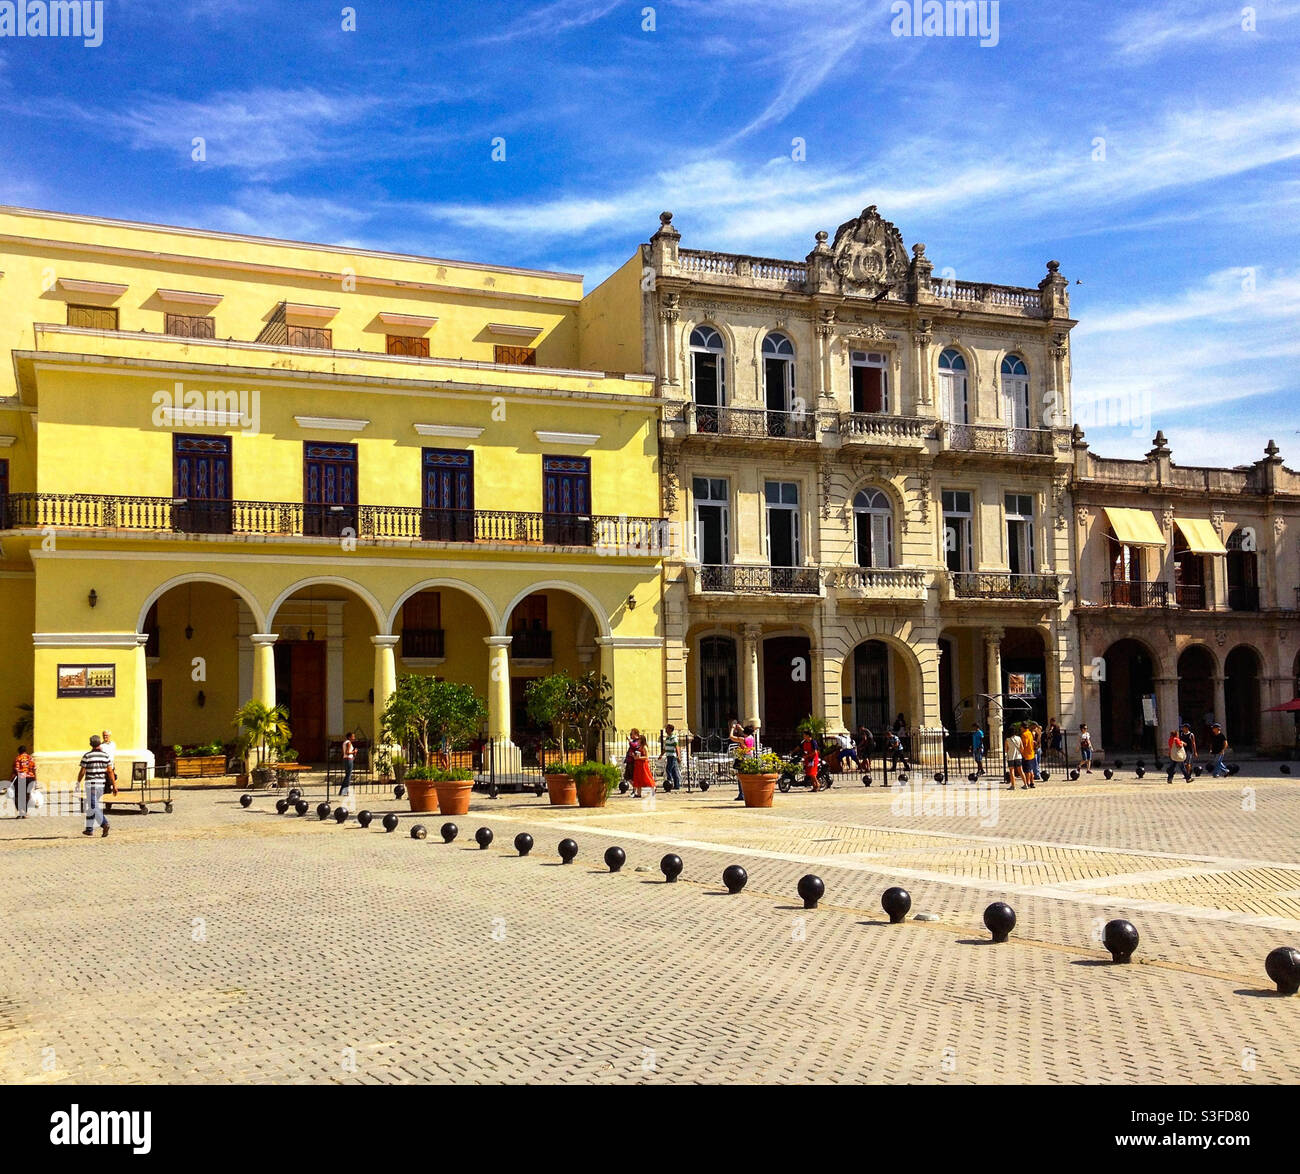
(219, 944)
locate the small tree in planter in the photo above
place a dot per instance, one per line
(593, 782)
(593, 706)
(758, 774)
(424, 713)
(552, 701)
(264, 729)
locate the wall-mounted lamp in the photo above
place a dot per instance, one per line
(311, 633)
(189, 631)
(372, 697)
(92, 598)
(631, 602)
(202, 699)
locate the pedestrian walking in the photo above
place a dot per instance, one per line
(349, 761)
(1085, 748)
(743, 743)
(109, 747)
(977, 749)
(1056, 741)
(866, 747)
(669, 753)
(894, 747)
(1193, 754)
(1029, 756)
(811, 761)
(1012, 752)
(1218, 747)
(97, 773)
(639, 755)
(1178, 757)
(848, 751)
(24, 780)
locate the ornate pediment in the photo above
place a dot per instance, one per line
(868, 254)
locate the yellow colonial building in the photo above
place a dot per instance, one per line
(235, 467)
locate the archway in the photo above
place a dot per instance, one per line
(442, 628)
(1129, 677)
(880, 681)
(1024, 676)
(324, 664)
(1195, 691)
(1241, 673)
(719, 685)
(787, 689)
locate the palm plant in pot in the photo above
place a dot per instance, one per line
(552, 701)
(424, 713)
(263, 736)
(593, 781)
(758, 774)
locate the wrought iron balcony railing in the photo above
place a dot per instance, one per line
(1001, 585)
(531, 644)
(996, 438)
(760, 580)
(423, 643)
(1122, 593)
(1243, 597)
(753, 422)
(279, 519)
(1190, 595)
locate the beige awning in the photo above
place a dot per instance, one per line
(1200, 535)
(1135, 527)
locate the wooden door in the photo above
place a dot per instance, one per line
(329, 489)
(787, 689)
(566, 500)
(201, 484)
(307, 699)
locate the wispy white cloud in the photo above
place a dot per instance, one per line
(553, 20)
(1145, 32)
(260, 211)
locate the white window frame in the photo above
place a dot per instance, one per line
(706, 347)
(874, 503)
(710, 503)
(1017, 517)
(967, 562)
(954, 381)
(795, 529)
(1015, 392)
(877, 361)
(779, 347)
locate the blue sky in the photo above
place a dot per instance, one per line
(1184, 236)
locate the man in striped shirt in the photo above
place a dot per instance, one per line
(97, 773)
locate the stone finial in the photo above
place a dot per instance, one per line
(823, 236)
(1053, 266)
(666, 228)
(665, 218)
(1076, 435)
(918, 250)
(1271, 451)
(1159, 442)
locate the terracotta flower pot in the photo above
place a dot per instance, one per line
(758, 789)
(563, 790)
(423, 795)
(453, 798)
(591, 791)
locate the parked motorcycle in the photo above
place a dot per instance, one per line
(792, 773)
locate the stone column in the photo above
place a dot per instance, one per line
(993, 684)
(385, 678)
(817, 687)
(264, 667)
(749, 676)
(1167, 710)
(137, 738)
(498, 686)
(1220, 704)
(921, 356)
(682, 719)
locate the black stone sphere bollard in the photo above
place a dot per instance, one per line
(302, 807)
(866, 780)
(282, 805)
(972, 777)
(1284, 768)
(1283, 967)
(364, 818)
(671, 867)
(615, 858)
(1110, 774)
(734, 877)
(938, 776)
(294, 795)
(539, 790)
(1000, 920)
(340, 815)
(1121, 939)
(623, 787)
(449, 832)
(246, 801)
(902, 778)
(494, 792)
(399, 790)
(1119, 764)
(483, 837)
(704, 784)
(812, 889)
(1047, 774)
(523, 843)
(568, 850)
(1140, 771)
(322, 811)
(390, 822)
(1074, 776)
(897, 902)
(419, 832)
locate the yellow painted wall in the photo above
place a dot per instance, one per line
(609, 322)
(17, 609)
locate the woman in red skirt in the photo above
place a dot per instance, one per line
(640, 755)
(811, 761)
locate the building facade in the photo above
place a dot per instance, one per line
(1188, 598)
(233, 467)
(869, 469)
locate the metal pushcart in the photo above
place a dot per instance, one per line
(142, 791)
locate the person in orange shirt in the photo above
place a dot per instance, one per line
(1027, 753)
(24, 780)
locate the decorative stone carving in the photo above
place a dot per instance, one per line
(1216, 520)
(1220, 637)
(668, 463)
(825, 323)
(671, 309)
(826, 490)
(868, 255)
(1279, 526)
(923, 481)
(1167, 517)
(1059, 483)
(1081, 514)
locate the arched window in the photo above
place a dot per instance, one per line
(778, 372)
(873, 527)
(708, 377)
(953, 396)
(1015, 392)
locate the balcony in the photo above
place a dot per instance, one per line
(882, 429)
(530, 644)
(750, 423)
(729, 579)
(1190, 596)
(423, 643)
(885, 583)
(618, 535)
(1003, 586)
(996, 438)
(1243, 598)
(1121, 593)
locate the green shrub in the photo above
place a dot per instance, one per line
(609, 775)
(759, 764)
(557, 766)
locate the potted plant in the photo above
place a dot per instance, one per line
(560, 784)
(593, 782)
(397, 763)
(420, 788)
(263, 735)
(424, 713)
(758, 774)
(593, 707)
